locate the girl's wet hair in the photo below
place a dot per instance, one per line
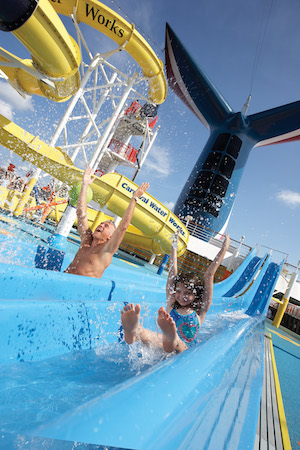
(192, 282)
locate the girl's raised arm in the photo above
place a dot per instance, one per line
(172, 273)
(210, 273)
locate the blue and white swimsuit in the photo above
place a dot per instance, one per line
(187, 326)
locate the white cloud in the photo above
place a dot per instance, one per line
(6, 110)
(169, 205)
(10, 101)
(290, 198)
(158, 162)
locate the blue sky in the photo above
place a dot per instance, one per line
(222, 36)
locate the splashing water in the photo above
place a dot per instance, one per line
(33, 393)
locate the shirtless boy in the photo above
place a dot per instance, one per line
(97, 249)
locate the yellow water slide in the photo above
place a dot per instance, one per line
(151, 217)
(54, 52)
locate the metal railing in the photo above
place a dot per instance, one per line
(277, 255)
(238, 248)
(126, 150)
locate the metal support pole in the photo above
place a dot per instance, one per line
(67, 221)
(145, 154)
(65, 224)
(26, 194)
(163, 264)
(285, 300)
(57, 133)
(100, 147)
(74, 100)
(94, 115)
(152, 259)
(112, 167)
(117, 221)
(235, 255)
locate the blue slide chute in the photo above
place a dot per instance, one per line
(208, 394)
(241, 278)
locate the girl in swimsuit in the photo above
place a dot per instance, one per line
(188, 300)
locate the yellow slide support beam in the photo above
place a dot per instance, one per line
(280, 312)
(113, 189)
(285, 301)
(108, 22)
(56, 54)
(25, 197)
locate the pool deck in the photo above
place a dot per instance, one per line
(269, 430)
(273, 426)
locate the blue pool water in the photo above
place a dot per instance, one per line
(32, 393)
(287, 356)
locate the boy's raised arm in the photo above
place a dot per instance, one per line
(117, 237)
(81, 211)
(172, 272)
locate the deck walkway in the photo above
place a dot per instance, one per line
(272, 432)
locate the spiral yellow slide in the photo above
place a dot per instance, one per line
(56, 55)
(151, 217)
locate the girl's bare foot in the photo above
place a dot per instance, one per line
(168, 328)
(130, 317)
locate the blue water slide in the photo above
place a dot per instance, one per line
(42, 256)
(201, 396)
(247, 277)
(26, 283)
(260, 302)
(240, 302)
(209, 394)
(239, 280)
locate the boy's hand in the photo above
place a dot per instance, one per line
(175, 240)
(87, 176)
(141, 190)
(227, 241)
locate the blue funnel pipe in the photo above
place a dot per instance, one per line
(210, 191)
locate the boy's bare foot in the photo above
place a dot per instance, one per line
(130, 317)
(168, 328)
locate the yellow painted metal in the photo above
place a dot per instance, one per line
(55, 53)
(108, 22)
(25, 197)
(285, 301)
(113, 190)
(280, 312)
(3, 196)
(9, 199)
(283, 425)
(277, 300)
(30, 147)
